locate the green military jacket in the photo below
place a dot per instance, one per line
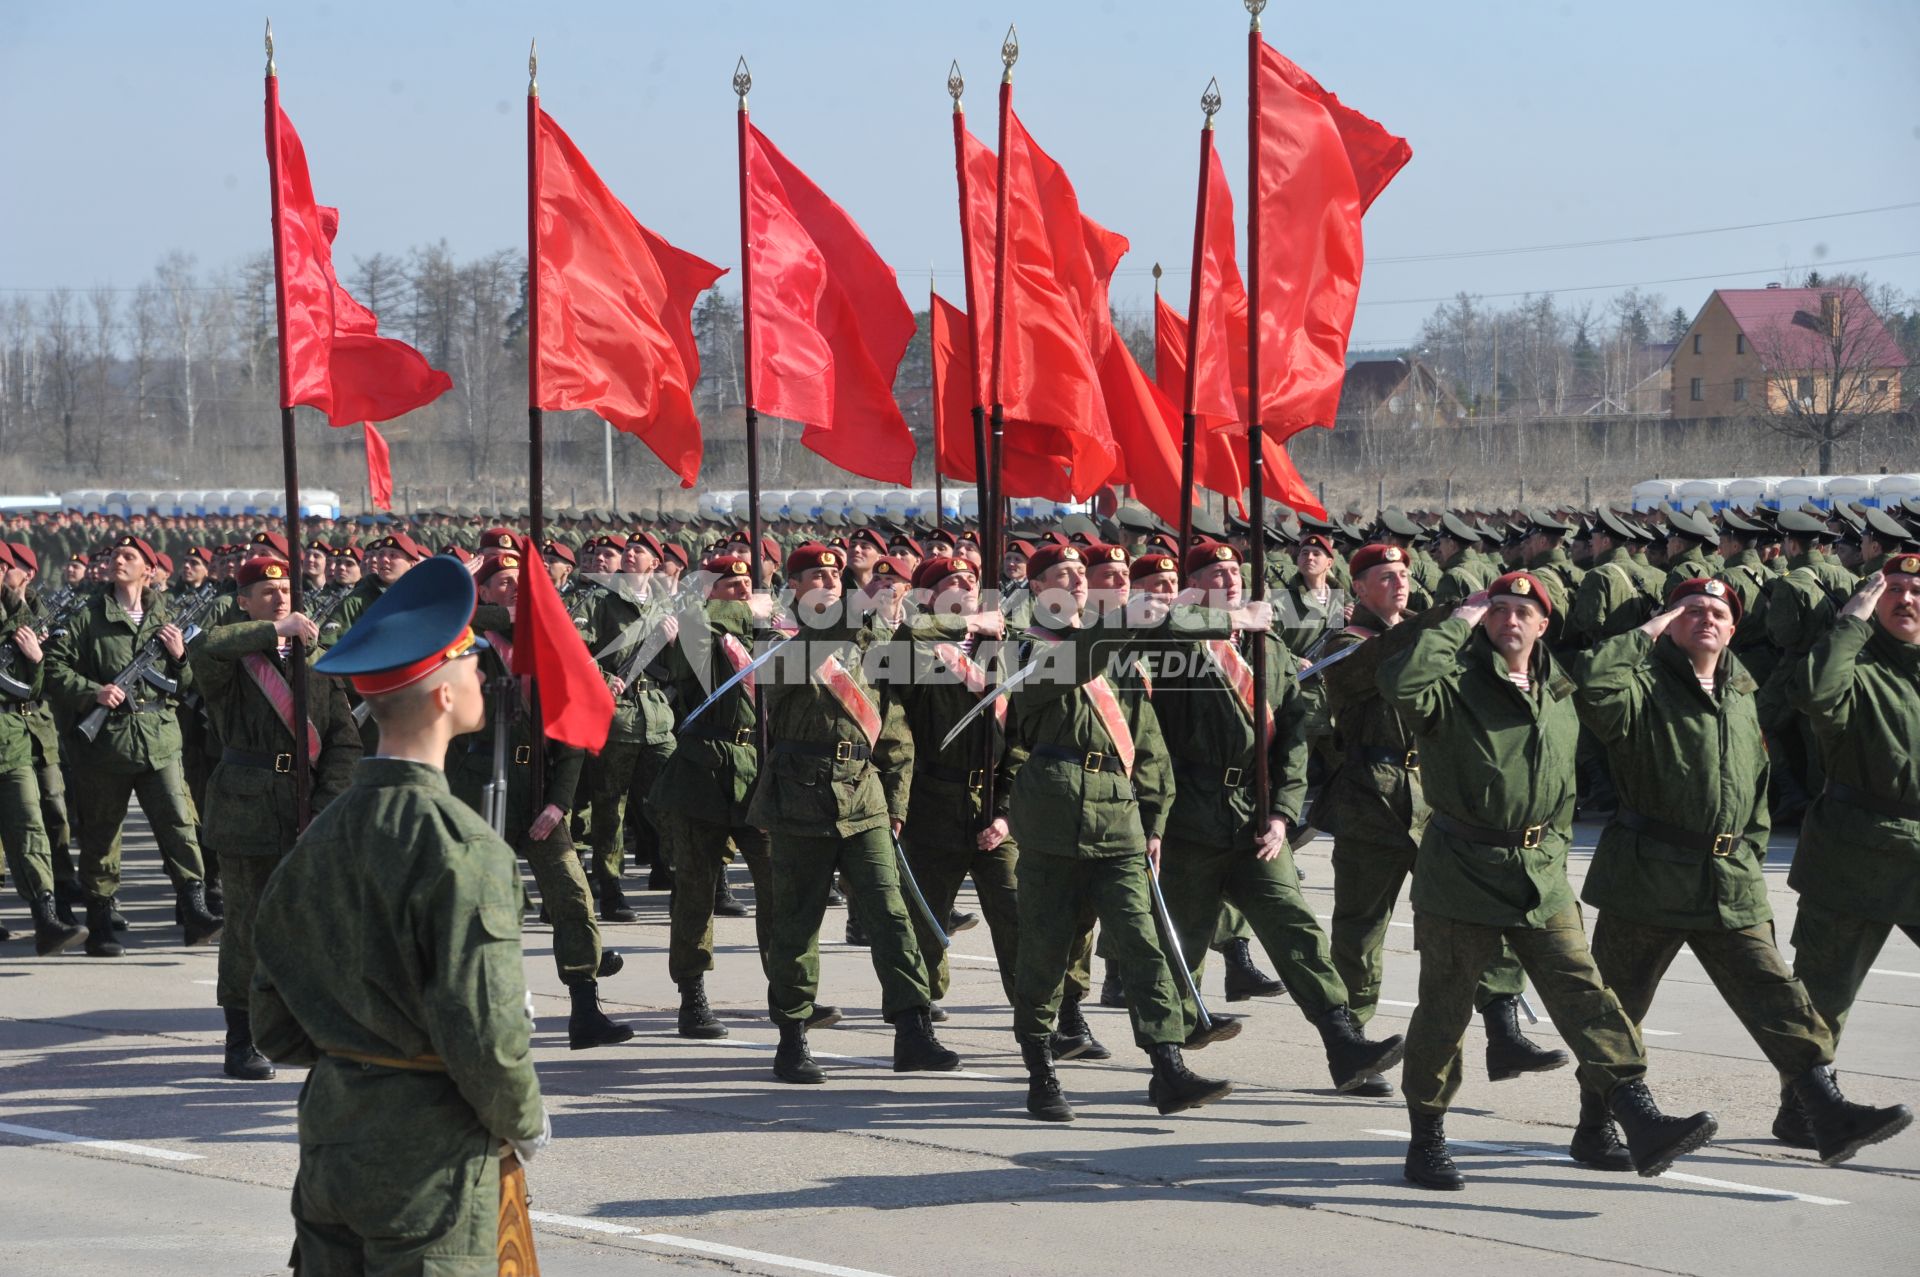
(812, 784)
(715, 762)
(1471, 572)
(1683, 758)
(1801, 606)
(1860, 691)
(358, 600)
(1834, 575)
(1369, 798)
(623, 625)
(1305, 620)
(250, 810)
(16, 729)
(1748, 576)
(1557, 572)
(392, 929)
(1494, 757)
(469, 764)
(1694, 563)
(101, 641)
(948, 795)
(1210, 740)
(1610, 601)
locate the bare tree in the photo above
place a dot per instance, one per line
(102, 366)
(1830, 370)
(178, 286)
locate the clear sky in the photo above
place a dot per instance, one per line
(135, 128)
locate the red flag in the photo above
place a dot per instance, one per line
(575, 705)
(1036, 461)
(379, 469)
(1146, 427)
(1219, 456)
(1320, 164)
(331, 354)
(828, 323)
(616, 309)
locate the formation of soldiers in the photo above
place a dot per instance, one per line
(1073, 728)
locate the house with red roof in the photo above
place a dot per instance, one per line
(1766, 350)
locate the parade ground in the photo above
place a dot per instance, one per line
(125, 1150)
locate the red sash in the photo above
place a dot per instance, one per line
(859, 707)
(1239, 676)
(1106, 707)
(975, 678)
(739, 657)
(273, 685)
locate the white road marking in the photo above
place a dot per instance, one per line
(703, 1247)
(1545, 1025)
(1327, 917)
(1910, 975)
(210, 982)
(112, 1146)
(971, 957)
(1736, 1186)
(868, 1060)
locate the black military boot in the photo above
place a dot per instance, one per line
(1428, 1163)
(792, 1062)
(589, 1026)
(65, 896)
(244, 1060)
(856, 934)
(216, 900)
(1176, 1088)
(660, 876)
(725, 903)
(915, 1049)
(1351, 1058)
(1374, 1086)
(1113, 993)
(1219, 1029)
(1791, 1125)
(1073, 1037)
(1842, 1128)
(100, 941)
(1655, 1140)
(958, 921)
(1044, 1101)
(1509, 1051)
(613, 901)
(115, 919)
(696, 1017)
(823, 1017)
(1596, 1143)
(611, 964)
(195, 918)
(50, 935)
(1244, 979)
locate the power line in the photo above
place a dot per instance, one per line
(1635, 283)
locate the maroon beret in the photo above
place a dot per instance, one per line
(932, 572)
(256, 570)
(1372, 556)
(809, 555)
(1711, 589)
(1052, 555)
(1152, 563)
(1521, 585)
(1204, 554)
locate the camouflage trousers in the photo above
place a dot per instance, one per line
(242, 878)
(100, 802)
(622, 775)
(1453, 956)
(803, 869)
(1832, 952)
(24, 834)
(698, 852)
(943, 855)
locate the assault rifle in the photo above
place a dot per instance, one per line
(50, 619)
(145, 666)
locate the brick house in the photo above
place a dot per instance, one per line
(1752, 349)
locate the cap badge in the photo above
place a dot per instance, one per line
(1392, 554)
(273, 571)
(1716, 588)
(1910, 565)
(1521, 586)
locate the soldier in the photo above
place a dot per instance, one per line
(389, 961)
(1689, 534)
(137, 751)
(1800, 607)
(1611, 599)
(1682, 862)
(1857, 865)
(834, 792)
(249, 820)
(1309, 607)
(1464, 570)
(1490, 708)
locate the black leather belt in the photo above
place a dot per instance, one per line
(19, 707)
(1892, 808)
(974, 779)
(1673, 835)
(724, 735)
(280, 763)
(1091, 760)
(144, 707)
(1380, 755)
(1528, 837)
(521, 755)
(844, 751)
(1231, 777)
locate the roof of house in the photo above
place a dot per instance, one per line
(1785, 323)
(1374, 379)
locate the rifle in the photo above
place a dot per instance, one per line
(50, 619)
(144, 667)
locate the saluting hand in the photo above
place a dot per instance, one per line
(1861, 605)
(174, 641)
(27, 643)
(1473, 609)
(1658, 623)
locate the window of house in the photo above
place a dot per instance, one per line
(1882, 386)
(1698, 389)
(1739, 343)
(1740, 389)
(1696, 343)
(1803, 388)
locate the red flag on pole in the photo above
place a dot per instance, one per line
(379, 469)
(616, 309)
(829, 323)
(332, 355)
(575, 705)
(1319, 165)
(1037, 461)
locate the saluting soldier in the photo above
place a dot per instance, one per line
(1491, 709)
(250, 821)
(388, 946)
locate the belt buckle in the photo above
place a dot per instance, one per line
(1233, 775)
(1094, 761)
(977, 778)
(282, 764)
(1412, 761)
(843, 751)
(1530, 836)
(522, 754)
(744, 736)
(1724, 844)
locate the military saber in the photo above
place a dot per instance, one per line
(986, 702)
(1164, 916)
(1326, 661)
(913, 889)
(738, 677)
(1528, 1008)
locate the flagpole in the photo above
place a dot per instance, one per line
(1256, 507)
(1009, 54)
(536, 425)
(982, 478)
(1210, 104)
(933, 410)
(742, 85)
(296, 650)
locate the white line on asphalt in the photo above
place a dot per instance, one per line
(112, 1146)
(695, 1244)
(1911, 975)
(1652, 1033)
(1514, 1150)
(211, 982)
(971, 957)
(1327, 917)
(870, 1061)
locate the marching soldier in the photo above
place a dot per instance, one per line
(1490, 708)
(250, 821)
(1311, 608)
(388, 947)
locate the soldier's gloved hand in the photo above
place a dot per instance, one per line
(1861, 605)
(988, 621)
(1269, 845)
(527, 1150)
(1255, 616)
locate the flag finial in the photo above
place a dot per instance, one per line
(1254, 7)
(271, 69)
(742, 81)
(1010, 53)
(1210, 100)
(1156, 279)
(533, 67)
(956, 84)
